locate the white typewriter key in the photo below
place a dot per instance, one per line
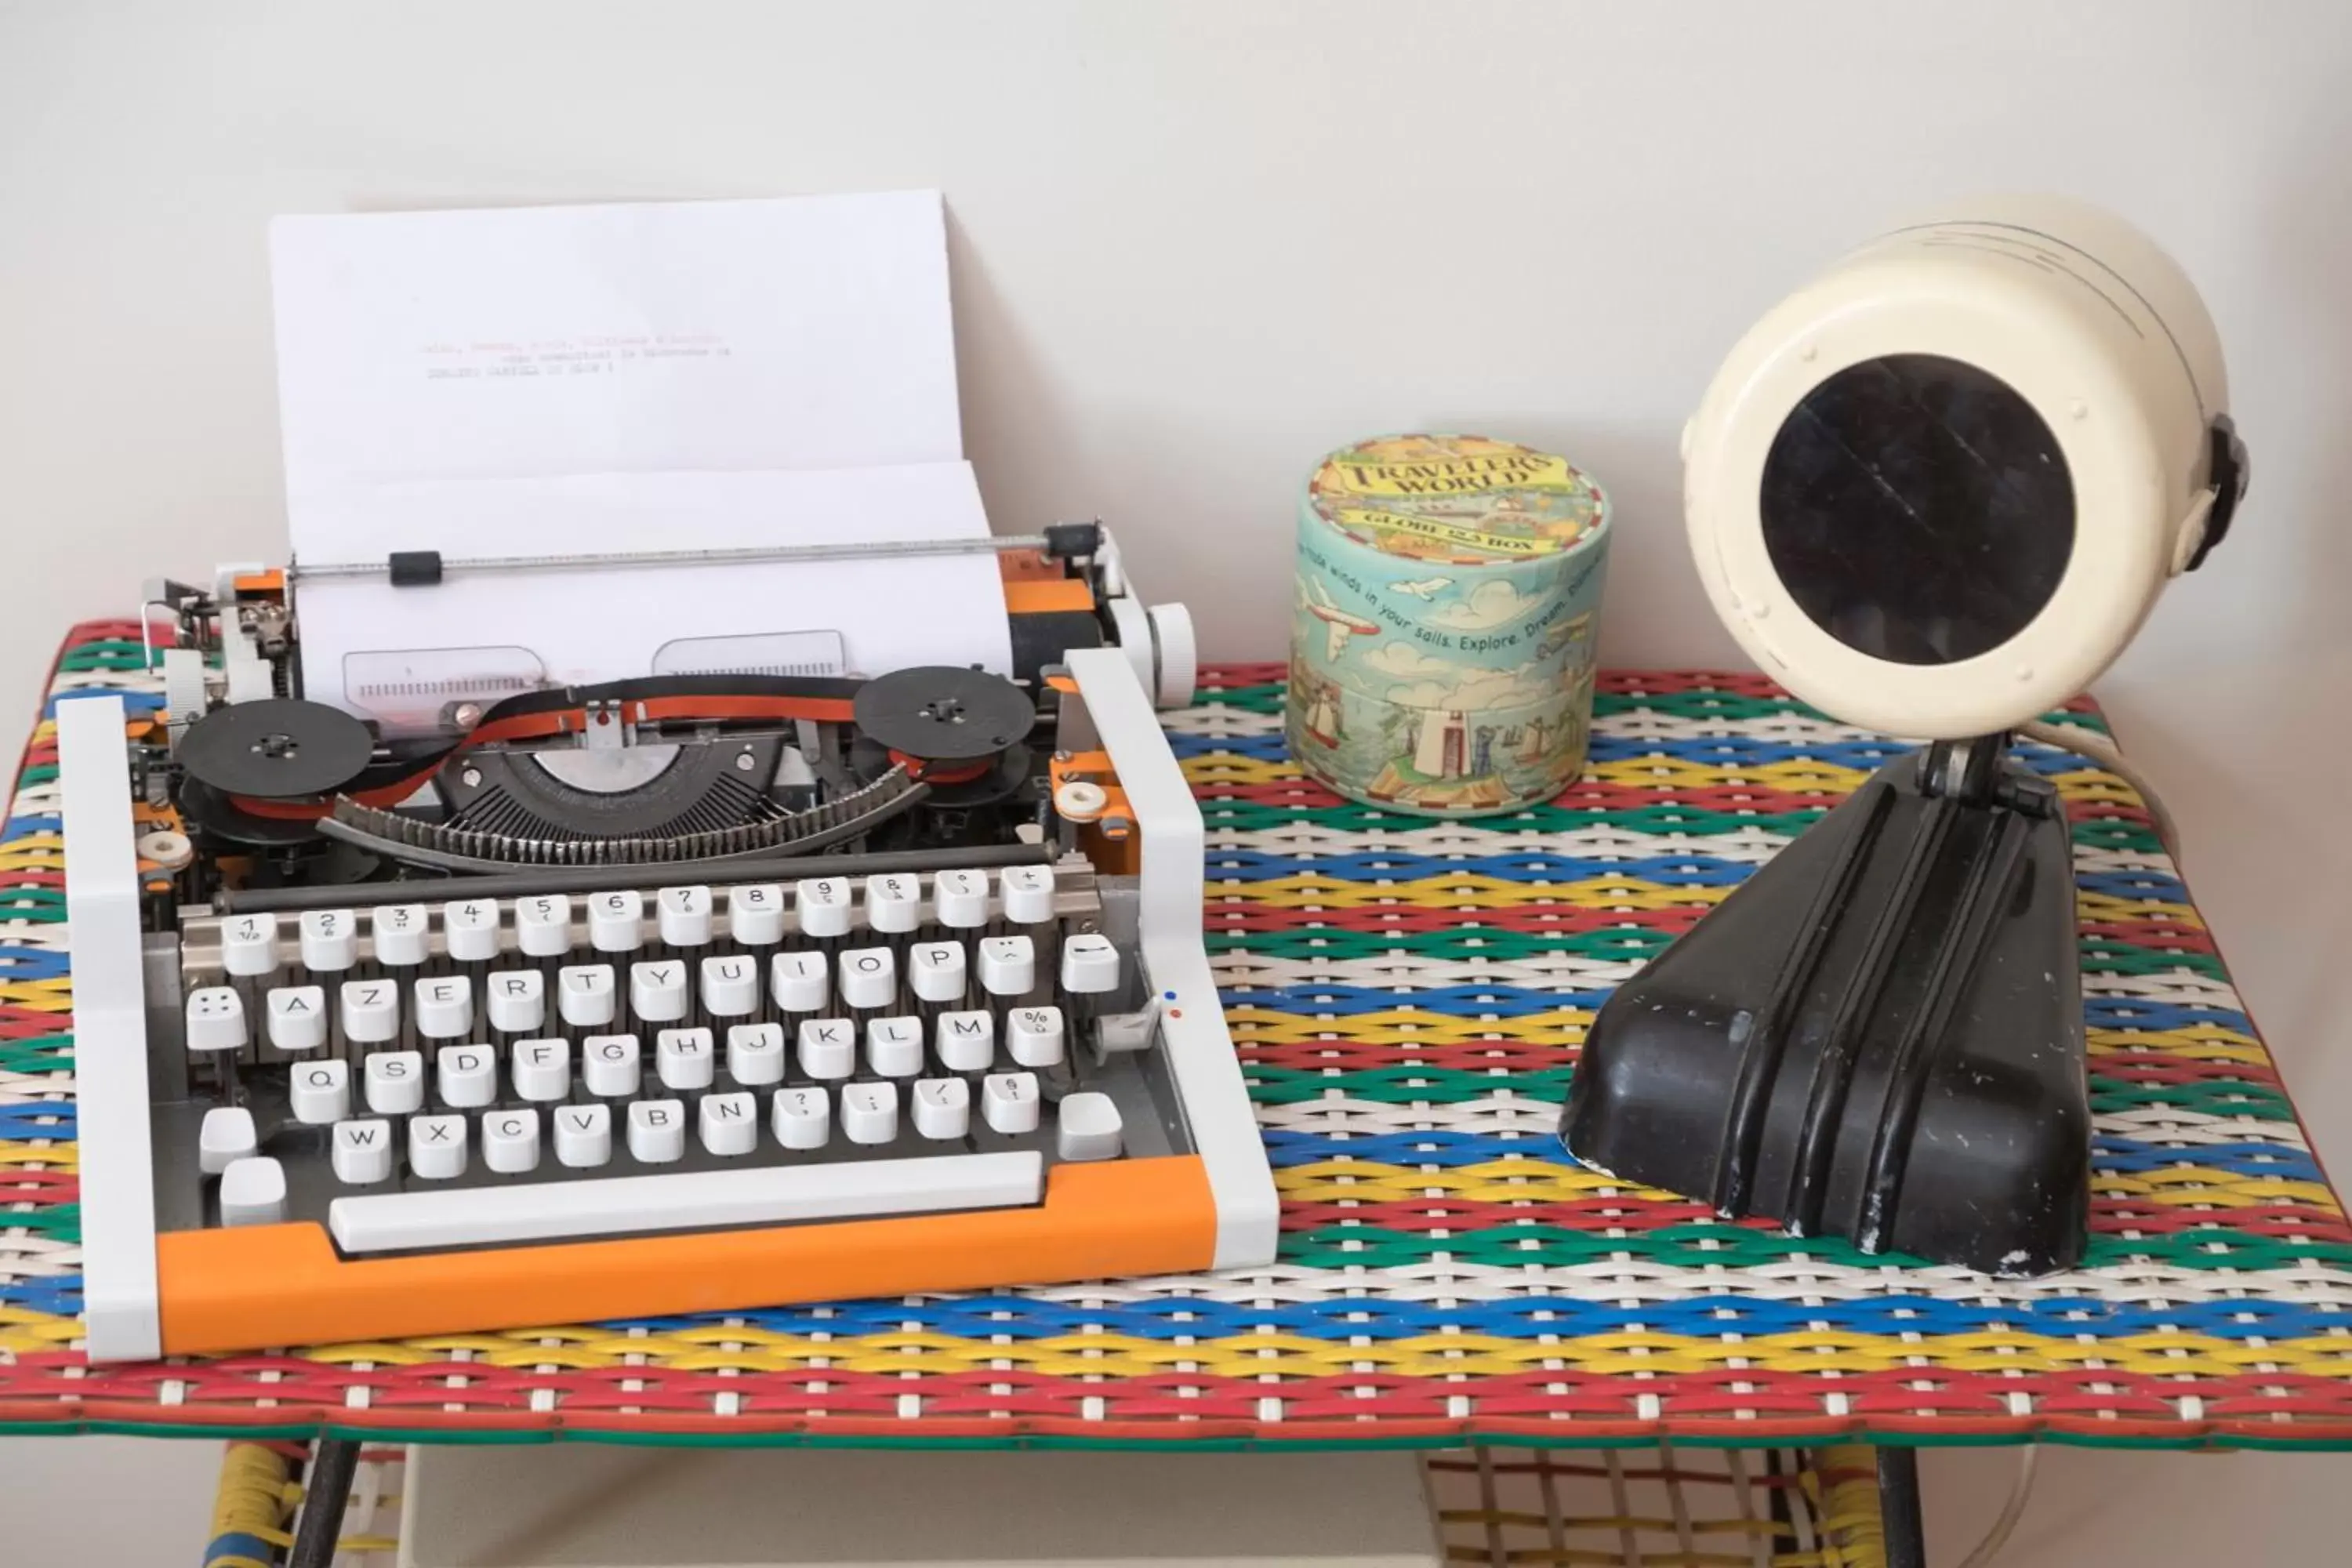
(869, 977)
(1089, 965)
(869, 1112)
(225, 1137)
(249, 944)
(894, 1046)
(1009, 1101)
(608, 1064)
(961, 899)
(1008, 966)
(682, 915)
(394, 1081)
(727, 1124)
(828, 1047)
(802, 1118)
(331, 941)
(471, 928)
(216, 1019)
(511, 1140)
(466, 1076)
(755, 914)
(967, 1041)
(584, 1135)
(1087, 1127)
(657, 1130)
(1033, 1035)
(616, 921)
(436, 1146)
(583, 995)
(371, 1011)
(253, 1192)
(400, 931)
(543, 1068)
(894, 902)
(320, 1092)
(362, 1151)
(445, 1007)
(755, 1053)
(936, 971)
(658, 992)
(298, 1017)
(516, 1000)
(543, 925)
(942, 1107)
(824, 905)
(685, 1059)
(731, 985)
(798, 980)
(1028, 894)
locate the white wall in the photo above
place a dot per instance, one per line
(1196, 246)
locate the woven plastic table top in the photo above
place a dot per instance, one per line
(1407, 996)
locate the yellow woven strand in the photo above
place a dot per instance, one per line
(1848, 1506)
(55, 1156)
(1407, 1026)
(748, 1348)
(1518, 1179)
(253, 1497)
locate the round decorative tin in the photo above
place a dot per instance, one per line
(1442, 645)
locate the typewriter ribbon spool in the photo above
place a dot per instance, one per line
(1442, 634)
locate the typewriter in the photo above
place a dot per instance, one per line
(684, 993)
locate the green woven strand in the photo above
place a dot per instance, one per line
(1706, 1244)
(1268, 817)
(2100, 954)
(2119, 834)
(59, 1222)
(106, 656)
(47, 1053)
(2259, 1100)
(1402, 1085)
(1460, 943)
(1408, 1084)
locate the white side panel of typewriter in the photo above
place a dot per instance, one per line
(1200, 1052)
(1157, 639)
(118, 1194)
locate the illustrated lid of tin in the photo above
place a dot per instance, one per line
(1460, 501)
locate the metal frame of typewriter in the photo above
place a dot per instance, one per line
(151, 1288)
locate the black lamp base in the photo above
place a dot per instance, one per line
(1878, 1035)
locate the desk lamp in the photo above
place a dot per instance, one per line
(1934, 493)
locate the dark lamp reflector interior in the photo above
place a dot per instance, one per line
(1917, 508)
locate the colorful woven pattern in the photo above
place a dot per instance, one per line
(1407, 996)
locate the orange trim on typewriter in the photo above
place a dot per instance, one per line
(283, 1284)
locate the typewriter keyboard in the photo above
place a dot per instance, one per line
(481, 1071)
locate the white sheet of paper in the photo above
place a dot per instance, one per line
(810, 332)
(571, 380)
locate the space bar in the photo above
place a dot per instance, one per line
(690, 1200)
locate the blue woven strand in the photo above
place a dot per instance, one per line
(51, 1118)
(1379, 1319)
(1527, 866)
(20, 964)
(132, 701)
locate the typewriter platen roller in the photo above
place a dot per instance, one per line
(672, 993)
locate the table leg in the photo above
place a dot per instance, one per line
(326, 1490)
(1898, 1504)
